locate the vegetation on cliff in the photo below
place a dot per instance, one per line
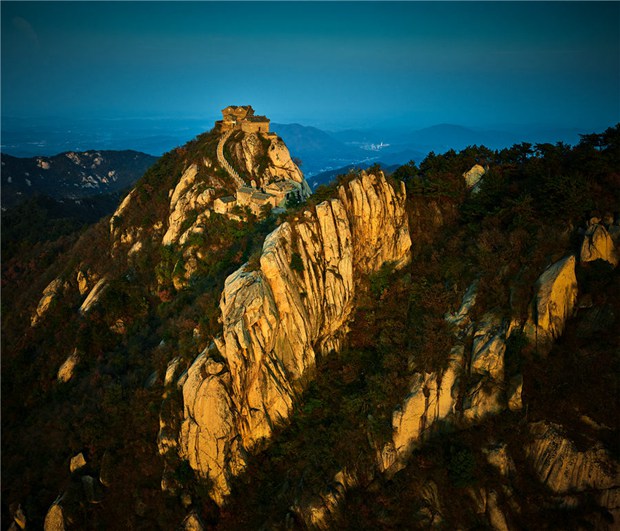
(528, 211)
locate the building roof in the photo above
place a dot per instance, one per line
(260, 196)
(246, 190)
(227, 199)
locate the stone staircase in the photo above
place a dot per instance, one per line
(224, 163)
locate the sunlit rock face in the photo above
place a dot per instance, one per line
(473, 177)
(50, 293)
(463, 393)
(264, 158)
(278, 319)
(67, 369)
(55, 518)
(554, 304)
(188, 196)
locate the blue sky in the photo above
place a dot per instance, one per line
(328, 64)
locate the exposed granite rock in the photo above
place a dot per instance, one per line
(77, 461)
(564, 468)
(485, 397)
(54, 519)
(50, 293)
(86, 279)
(19, 517)
(192, 522)
(277, 319)
(598, 245)
(433, 397)
(188, 197)
(322, 511)
(119, 232)
(500, 459)
(473, 176)
(66, 370)
(555, 302)
(252, 150)
(94, 295)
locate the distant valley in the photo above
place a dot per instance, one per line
(319, 150)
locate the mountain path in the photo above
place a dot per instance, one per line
(224, 163)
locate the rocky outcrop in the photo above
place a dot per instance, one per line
(499, 458)
(577, 476)
(50, 293)
(277, 320)
(555, 302)
(86, 279)
(192, 522)
(188, 197)
(66, 370)
(472, 386)
(598, 245)
(94, 295)
(485, 396)
(264, 158)
(77, 461)
(433, 397)
(55, 518)
(563, 468)
(322, 511)
(473, 177)
(19, 517)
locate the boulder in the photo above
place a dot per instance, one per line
(77, 461)
(19, 517)
(472, 177)
(192, 522)
(85, 280)
(555, 302)
(67, 369)
(54, 519)
(50, 293)
(94, 295)
(598, 245)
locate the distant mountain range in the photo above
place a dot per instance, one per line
(319, 150)
(328, 176)
(71, 175)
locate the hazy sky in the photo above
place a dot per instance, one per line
(324, 64)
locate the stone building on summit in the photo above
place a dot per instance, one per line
(243, 118)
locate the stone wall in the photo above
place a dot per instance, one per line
(255, 127)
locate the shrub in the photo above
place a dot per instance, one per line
(297, 263)
(461, 466)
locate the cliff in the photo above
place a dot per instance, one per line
(279, 319)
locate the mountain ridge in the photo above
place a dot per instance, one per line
(404, 347)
